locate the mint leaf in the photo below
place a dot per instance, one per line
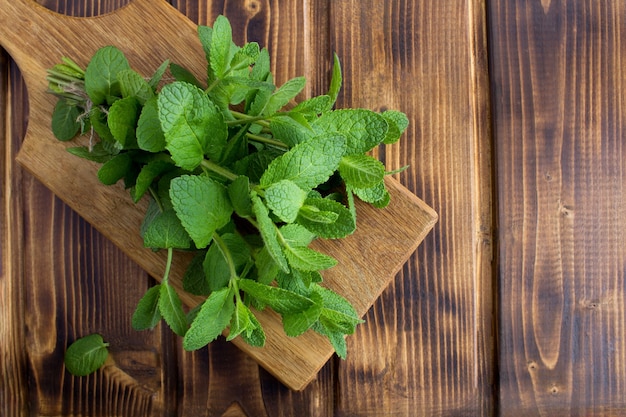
(132, 84)
(192, 125)
(86, 355)
(398, 122)
(171, 308)
(245, 56)
(267, 268)
(101, 82)
(194, 279)
(269, 233)
(280, 300)
(335, 82)
(201, 204)
(158, 75)
(337, 314)
(285, 92)
(150, 137)
(122, 120)
(147, 314)
(363, 129)
(336, 338)
(115, 168)
(307, 164)
(361, 171)
(296, 235)
(377, 195)
(211, 320)
(297, 323)
(149, 172)
(216, 263)
(184, 75)
(285, 198)
(221, 41)
(307, 259)
(312, 107)
(239, 193)
(98, 121)
(245, 324)
(166, 231)
(96, 154)
(291, 129)
(342, 226)
(65, 124)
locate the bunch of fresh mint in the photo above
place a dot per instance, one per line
(234, 172)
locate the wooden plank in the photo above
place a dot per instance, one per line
(559, 108)
(426, 348)
(13, 382)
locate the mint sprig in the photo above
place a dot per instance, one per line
(235, 172)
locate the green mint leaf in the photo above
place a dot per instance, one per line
(239, 193)
(291, 129)
(101, 82)
(283, 95)
(285, 198)
(377, 195)
(310, 213)
(337, 314)
(150, 137)
(254, 165)
(147, 314)
(307, 164)
(269, 233)
(122, 120)
(221, 41)
(115, 169)
(335, 83)
(307, 259)
(361, 171)
(166, 231)
(158, 75)
(96, 154)
(216, 263)
(86, 355)
(267, 268)
(194, 279)
(245, 56)
(280, 300)
(363, 129)
(192, 125)
(212, 319)
(297, 323)
(149, 172)
(244, 323)
(182, 74)
(132, 84)
(205, 34)
(336, 338)
(398, 122)
(171, 308)
(296, 235)
(343, 226)
(261, 69)
(201, 204)
(65, 124)
(313, 107)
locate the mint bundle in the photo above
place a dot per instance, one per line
(235, 172)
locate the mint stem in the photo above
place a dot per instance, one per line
(212, 166)
(267, 141)
(168, 265)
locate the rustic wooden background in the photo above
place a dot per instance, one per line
(514, 304)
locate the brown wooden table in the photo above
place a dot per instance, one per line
(515, 303)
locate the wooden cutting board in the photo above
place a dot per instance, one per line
(149, 32)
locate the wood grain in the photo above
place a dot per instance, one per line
(427, 346)
(559, 110)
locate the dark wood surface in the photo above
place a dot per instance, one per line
(513, 305)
